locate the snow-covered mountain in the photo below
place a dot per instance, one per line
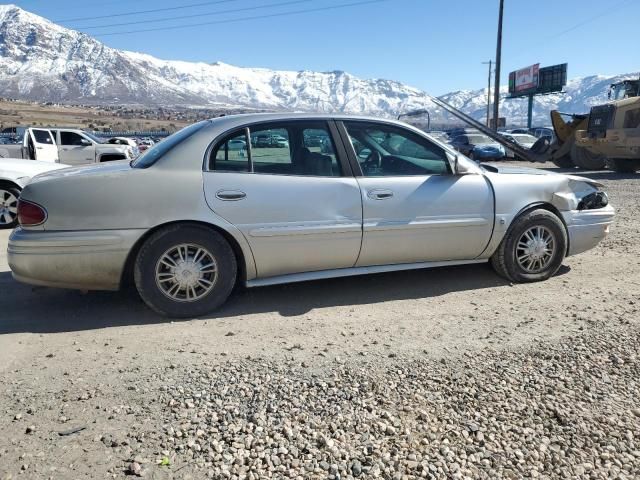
(42, 61)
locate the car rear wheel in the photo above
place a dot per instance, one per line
(8, 206)
(533, 248)
(185, 271)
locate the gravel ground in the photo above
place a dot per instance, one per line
(448, 373)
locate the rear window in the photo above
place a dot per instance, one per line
(152, 155)
(479, 139)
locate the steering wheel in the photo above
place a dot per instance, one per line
(372, 162)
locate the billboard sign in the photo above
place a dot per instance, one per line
(525, 79)
(552, 79)
(534, 80)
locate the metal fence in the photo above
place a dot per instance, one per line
(104, 134)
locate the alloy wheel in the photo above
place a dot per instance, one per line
(186, 272)
(535, 249)
(8, 207)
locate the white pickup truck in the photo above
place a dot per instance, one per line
(65, 145)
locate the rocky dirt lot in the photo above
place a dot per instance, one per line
(447, 373)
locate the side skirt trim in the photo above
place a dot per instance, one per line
(348, 272)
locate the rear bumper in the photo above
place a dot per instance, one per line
(86, 260)
(587, 228)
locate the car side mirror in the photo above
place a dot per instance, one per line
(85, 143)
(459, 168)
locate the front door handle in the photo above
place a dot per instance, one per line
(379, 194)
(230, 195)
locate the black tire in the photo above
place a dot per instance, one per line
(564, 162)
(504, 260)
(583, 158)
(159, 244)
(9, 194)
(623, 165)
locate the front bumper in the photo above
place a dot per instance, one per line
(85, 260)
(587, 228)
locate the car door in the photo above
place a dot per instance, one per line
(300, 209)
(43, 145)
(414, 208)
(75, 149)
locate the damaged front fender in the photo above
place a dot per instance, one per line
(579, 193)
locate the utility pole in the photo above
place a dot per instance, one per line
(496, 94)
(490, 63)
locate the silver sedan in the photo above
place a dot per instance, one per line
(195, 215)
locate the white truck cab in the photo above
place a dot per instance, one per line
(66, 145)
(77, 147)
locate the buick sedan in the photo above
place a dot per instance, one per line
(194, 216)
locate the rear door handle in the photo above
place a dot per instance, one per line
(379, 194)
(230, 195)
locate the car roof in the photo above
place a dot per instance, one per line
(231, 121)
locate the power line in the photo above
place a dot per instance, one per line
(242, 19)
(165, 9)
(207, 14)
(609, 11)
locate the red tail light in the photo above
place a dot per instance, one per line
(30, 214)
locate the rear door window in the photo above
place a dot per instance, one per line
(231, 154)
(303, 148)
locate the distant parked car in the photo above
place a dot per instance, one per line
(122, 141)
(543, 132)
(145, 144)
(478, 147)
(454, 132)
(524, 140)
(390, 198)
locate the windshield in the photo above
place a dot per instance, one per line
(524, 138)
(479, 139)
(624, 90)
(93, 137)
(151, 156)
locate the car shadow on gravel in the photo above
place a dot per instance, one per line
(48, 310)
(592, 174)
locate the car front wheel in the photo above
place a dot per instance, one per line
(8, 206)
(533, 248)
(185, 271)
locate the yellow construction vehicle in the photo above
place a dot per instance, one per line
(608, 135)
(613, 129)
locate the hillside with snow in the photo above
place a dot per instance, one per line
(42, 61)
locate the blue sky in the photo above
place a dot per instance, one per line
(435, 45)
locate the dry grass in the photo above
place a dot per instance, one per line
(32, 114)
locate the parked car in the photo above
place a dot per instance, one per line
(65, 145)
(478, 147)
(390, 198)
(122, 141)
(523, 139)
(14, 175)
(269, 140)
(543, 132)
(145, 144)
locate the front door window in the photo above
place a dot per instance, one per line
(387, 150)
